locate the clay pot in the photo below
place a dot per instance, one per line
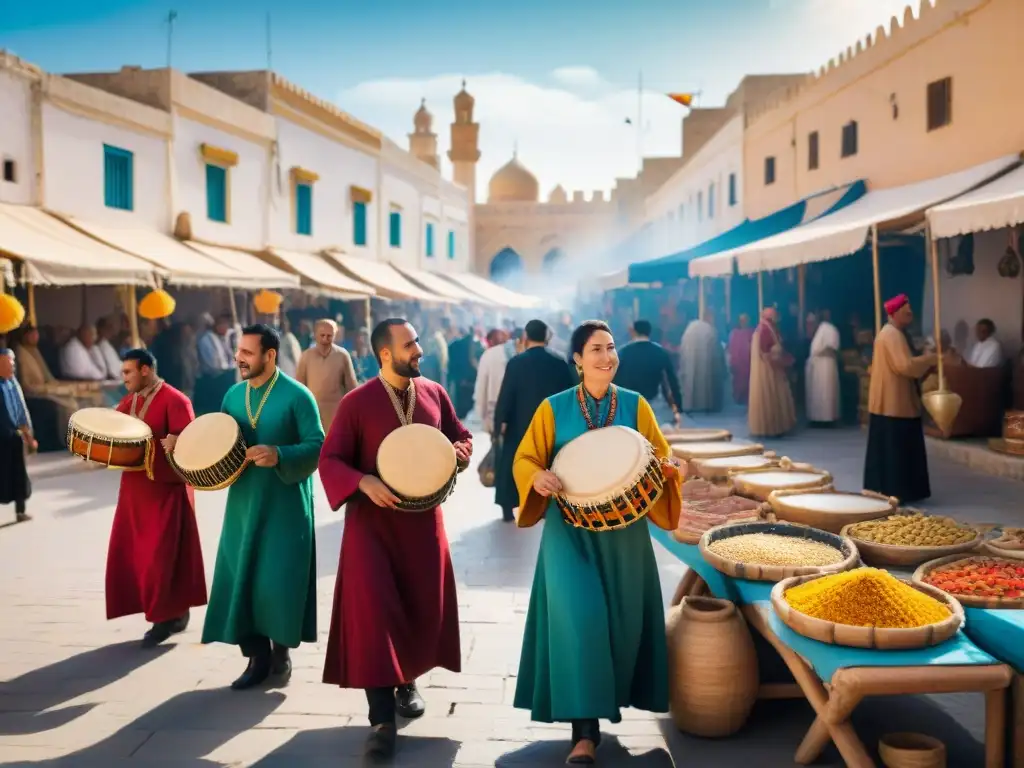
(713, 677)
(911, 750)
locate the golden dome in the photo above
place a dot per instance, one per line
(423, 120)
(463, 101)
(512, 183)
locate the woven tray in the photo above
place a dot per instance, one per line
(758, 572)
(695, 512)
(830, 521)
(968, 600)
(745, 481)
(874, 553)
(868, 637)
(719, 467)
(695, 435)
(714, 448)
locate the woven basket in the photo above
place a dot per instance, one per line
(758, 572)
(708, 449)
(718, 468)
(867, 637)
(746, 481)
(911, 750)
(832, 521)
(969, 600)
(696, 435)
(874, 553)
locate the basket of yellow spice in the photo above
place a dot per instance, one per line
(867, 608)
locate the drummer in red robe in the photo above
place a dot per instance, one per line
(395, 611)
(155, 561)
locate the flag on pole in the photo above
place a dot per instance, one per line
(686, 99)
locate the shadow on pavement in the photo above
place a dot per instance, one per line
(612, 752)
(496, 555)
(48, 687)
(345, 747)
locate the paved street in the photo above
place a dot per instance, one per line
(77, 691)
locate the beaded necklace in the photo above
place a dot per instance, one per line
(253, 420)
(404, 418)
(583, 398)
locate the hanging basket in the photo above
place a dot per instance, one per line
(156, 305)
(12, 313)
(267, 302)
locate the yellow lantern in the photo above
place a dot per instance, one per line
(12, 313)
(267, 302)
(156, 305)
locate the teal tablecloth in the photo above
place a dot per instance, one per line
(1001, 633)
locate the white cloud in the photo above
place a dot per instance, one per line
(578, 140)
(578, 78)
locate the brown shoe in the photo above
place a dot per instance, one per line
(584, 753)
(22, 517)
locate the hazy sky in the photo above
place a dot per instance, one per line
(556, 77)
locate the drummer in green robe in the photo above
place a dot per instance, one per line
(595, 631)
(264, 584)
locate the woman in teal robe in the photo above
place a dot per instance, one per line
(263, 597)
(595, 631)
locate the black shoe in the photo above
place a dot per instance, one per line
(179, 624)
(281, 663)
(22, 517)
(157, 634)
(257, 672)
(408, 702)
(380, 745)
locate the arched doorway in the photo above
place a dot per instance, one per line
(552, 259)
(505, 264)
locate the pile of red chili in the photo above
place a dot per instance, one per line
(980, 577)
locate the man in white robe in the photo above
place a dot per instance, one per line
(821, 372)
(490, 373)
(80, 360)
(987, 352)
(702, 361)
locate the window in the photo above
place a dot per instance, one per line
(732, 190)
(711, 200)
(850, 139)
(395, 229)
(358, 223)
(812, 151)
(118, 173)
(10, 171)
(682, 211)
(940, 103)
(700, 206)
(451, 243)
(430, 239)
(216, 193)
(303, 209)
(769, 171)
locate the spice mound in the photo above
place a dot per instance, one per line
(866, 597)
(773, 549)
(980, 577)
(913, 530)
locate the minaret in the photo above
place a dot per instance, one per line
(423, 140)
(464, 155)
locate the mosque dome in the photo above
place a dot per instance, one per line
(513, 183)
(558, 195)
(463, 101)
(423, 121)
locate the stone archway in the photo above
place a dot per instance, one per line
(553, 259)
(505, 264)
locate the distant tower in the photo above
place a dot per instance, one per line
(423, 140)
(465, 151)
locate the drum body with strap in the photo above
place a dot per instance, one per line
(111, 438)
(210, 452)
(610, 479)
(418, 464)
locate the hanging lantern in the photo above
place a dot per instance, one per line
(12, 313)
(267, 302)
(156, 305)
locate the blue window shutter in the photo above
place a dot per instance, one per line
(304, 209)
(395, 227)
(118, 181)
(732, 189)
(216, 193)
(358, 223)
(451, 243)
(430, 240)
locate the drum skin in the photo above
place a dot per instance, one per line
(214, 451)
(125, 455)
(418, 464)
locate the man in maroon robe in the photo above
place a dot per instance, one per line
(395, 611)
(155, 561)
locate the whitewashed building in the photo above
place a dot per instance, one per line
(19, 84)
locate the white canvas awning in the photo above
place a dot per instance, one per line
(847, 230)
(388, 281)
(437, 284)
(183, 265)
(315, 268)
(56, 254)
(264, 275)
(494, 293)
(998, 204)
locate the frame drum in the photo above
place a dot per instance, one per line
(111, 438)
(210, 452)
(610, 479)
(418, 464)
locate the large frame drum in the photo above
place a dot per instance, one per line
(610, 479)
(210, 452)
(111, 438)
(419, 465)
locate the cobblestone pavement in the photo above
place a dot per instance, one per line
(77, 691)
